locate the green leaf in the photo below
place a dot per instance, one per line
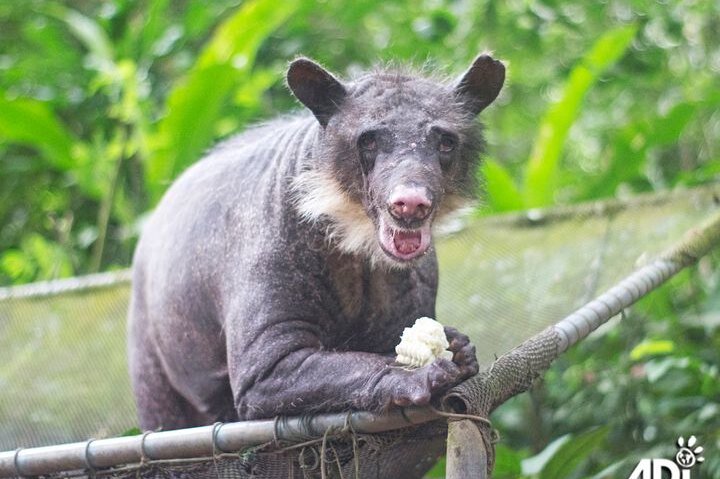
(534, 465)
(573, 453)
(87, 30)
(195, 105)
(658, 369)
(541, 172)
(507, 462)
(52, 261)
(502, 192)
(38, 259)
(17, 265)
(133, 431)
(666, 130)
(157, 17)
(652, 347)
(613, 470)
(34, 124)
(437, 471)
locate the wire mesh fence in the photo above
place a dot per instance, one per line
(503, 280)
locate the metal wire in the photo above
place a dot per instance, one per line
(66, 285)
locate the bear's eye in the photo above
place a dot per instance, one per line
(447, 143)
(368, 141)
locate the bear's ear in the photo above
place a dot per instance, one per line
(316, 88)
(481, 83)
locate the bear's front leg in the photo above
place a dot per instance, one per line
(281, 367)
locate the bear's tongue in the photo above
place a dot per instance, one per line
(403, 245)
(407, 242)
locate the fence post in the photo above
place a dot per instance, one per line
(466, 455)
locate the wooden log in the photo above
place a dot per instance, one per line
(466, 455)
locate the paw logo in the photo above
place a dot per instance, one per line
(688, 454)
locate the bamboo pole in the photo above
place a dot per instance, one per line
(199, 441)
(466, 455)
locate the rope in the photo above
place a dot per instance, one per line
(458, 416)
(348, 428)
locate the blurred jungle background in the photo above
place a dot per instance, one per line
(104, 103)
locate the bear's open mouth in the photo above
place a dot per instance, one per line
(404, 244)
(407, 242)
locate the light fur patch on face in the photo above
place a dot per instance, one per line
(318, 196)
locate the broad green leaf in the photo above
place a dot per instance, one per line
(195, 104)
(437, 471)
(34, 124)
(247, 93)
(541, 172)
(573, 453)
(652, 347)
(502, 193)
(535, 464)
(507, 462)
(667, 129)
(613, 470)
(189, 126)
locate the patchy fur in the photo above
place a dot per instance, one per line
(319, 197)
(277, 274)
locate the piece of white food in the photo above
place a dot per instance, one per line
(421, 344)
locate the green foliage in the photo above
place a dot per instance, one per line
(541, 170)
(438, 470)
(500, 188)
(37, 258)
(651, 347)
(104, 104)
(508, 462)
(133, 431)
(120, 154)
(33, 123)
(644, 392)
(571, 453)
(194, 105)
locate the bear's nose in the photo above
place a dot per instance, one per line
(410, 203)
